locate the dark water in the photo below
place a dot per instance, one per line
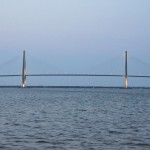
(74, 119)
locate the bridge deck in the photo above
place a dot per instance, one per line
(73, 75)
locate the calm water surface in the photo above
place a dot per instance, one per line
(74, 119)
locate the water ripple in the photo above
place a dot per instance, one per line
(65, 119)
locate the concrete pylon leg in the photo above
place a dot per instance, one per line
(126, 70)
(24, 70)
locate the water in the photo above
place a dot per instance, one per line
(74, 119)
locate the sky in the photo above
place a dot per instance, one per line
(74, 34)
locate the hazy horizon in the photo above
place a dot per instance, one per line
(75, 35)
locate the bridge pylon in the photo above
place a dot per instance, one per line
(24, 70)
(126, 70)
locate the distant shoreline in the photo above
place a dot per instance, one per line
(113, 87)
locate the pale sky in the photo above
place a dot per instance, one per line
(74, 34)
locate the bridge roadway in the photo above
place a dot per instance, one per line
(79, 75)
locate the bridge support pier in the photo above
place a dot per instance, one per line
(24, 71)
(126, 70)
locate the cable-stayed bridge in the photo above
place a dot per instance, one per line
(124, 75)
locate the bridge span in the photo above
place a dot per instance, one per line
(125, 76)
(74, 75)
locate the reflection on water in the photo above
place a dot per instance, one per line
(74, 119)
